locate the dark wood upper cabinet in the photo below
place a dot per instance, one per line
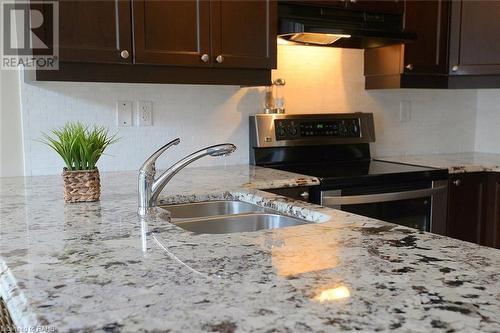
(429, 53)
(95, 31)
(456, 47)
(172, 32)
(466, 207)
(474, 46)
(409, 65)
(244, 33)
(164, 41)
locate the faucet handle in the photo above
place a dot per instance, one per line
(149, 165)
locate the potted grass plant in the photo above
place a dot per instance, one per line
(80, 146)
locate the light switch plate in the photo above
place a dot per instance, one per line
(404, 111)
(145, 113)
(124, 113)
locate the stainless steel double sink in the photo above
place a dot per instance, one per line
(224, 217)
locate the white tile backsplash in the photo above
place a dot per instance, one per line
(488, 121)
(318, 80)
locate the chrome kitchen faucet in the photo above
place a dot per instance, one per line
(150, 188)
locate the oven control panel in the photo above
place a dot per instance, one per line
(290, 129)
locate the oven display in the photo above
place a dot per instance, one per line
(289, 129)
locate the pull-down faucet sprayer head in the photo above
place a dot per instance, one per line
(222, 149)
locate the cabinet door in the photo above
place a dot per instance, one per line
(427, 54)
(474, 46)
(491, 231)
(377, 6)
(172, 32)
(95, 31)
(466, 203)
(244, 33)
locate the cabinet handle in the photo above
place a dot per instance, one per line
(454, 68)
(409, 67)
(124, 54)
(457, 182)
(205, 57)
(219, 58)
(304, 195)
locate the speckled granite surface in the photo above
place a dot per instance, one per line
(455, 163)
(98, 267)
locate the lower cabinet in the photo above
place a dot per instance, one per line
(474, 208)
(491, 231)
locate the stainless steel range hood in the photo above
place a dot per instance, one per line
(340, 27)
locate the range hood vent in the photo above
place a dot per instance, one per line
(339, 27)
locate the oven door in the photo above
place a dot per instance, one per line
(420, 206)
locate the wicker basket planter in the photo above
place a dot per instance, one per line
(81, 185)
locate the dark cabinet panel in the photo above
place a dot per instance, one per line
(172, 32)
(491, 230)
(95, 31)
(244, 33)
(466, 210)
(474, 46)
(428, 54)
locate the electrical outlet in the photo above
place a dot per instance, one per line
(404, 111)
(144, 113)
(124, 113)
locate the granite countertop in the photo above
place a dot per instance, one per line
(98, 267)
(455, 163)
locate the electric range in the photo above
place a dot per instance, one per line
(335, 148)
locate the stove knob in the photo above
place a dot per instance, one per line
(293, 131)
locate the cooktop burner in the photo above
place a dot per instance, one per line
(357, 172)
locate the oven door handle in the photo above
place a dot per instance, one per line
(327, 200)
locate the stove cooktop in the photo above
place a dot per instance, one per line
(362, 172)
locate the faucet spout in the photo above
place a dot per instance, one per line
(217, 150)
(150, 188)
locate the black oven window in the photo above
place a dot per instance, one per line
(413, 213)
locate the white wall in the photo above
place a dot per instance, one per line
(11, 146)
(318, 80)
(488, 121)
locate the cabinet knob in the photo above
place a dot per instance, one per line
(409, 67)
(219, 58)
(457, 182)
(124, 54)
(454, 68)
(205, 57)
(304, 195)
